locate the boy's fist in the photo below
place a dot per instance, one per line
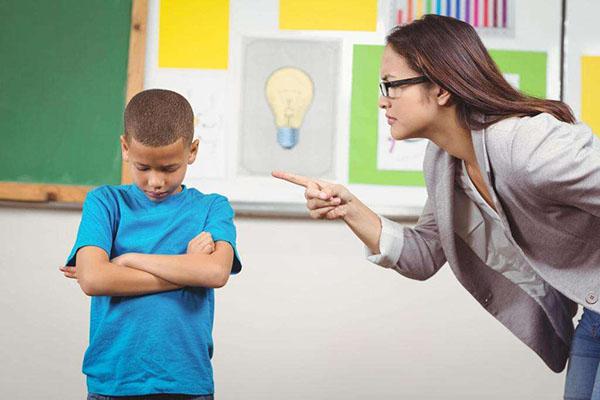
(203, 243)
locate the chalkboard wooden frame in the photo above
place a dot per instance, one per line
(48, 193)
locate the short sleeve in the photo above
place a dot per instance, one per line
(96, 226)
(219, 224)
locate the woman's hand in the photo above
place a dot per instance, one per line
(324, 200)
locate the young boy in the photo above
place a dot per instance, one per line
(150, 255)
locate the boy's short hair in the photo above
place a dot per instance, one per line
(159, 117)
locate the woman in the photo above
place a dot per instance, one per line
(513, 194)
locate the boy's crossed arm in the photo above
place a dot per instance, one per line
(99, 276)
(191, 269)
(205, 264)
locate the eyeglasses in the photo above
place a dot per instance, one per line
(384, 87)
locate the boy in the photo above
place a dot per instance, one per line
(150, 255)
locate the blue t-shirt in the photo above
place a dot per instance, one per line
(154, 343)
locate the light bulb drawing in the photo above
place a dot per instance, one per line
(289, 93)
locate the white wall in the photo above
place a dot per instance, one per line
(308, 318)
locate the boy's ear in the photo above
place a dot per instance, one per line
(124, 148)
(193, 151)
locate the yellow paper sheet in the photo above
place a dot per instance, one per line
(194, 34)
(590, 92)
(328, 15)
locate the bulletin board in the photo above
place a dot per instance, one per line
(337, 45)
(223, 56)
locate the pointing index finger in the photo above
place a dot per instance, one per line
(293, 178)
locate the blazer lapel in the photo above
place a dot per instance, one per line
(478, 138)
(444, 201)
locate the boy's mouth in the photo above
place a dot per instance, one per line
(156, 195)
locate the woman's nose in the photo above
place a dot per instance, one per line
(383, 102)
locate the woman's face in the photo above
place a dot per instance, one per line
(410, 109)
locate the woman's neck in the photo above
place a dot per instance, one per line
(453, 137)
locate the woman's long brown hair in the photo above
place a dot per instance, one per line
(450, 53)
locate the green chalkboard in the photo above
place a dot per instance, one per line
(63, 79)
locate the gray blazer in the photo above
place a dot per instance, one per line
(544, 178)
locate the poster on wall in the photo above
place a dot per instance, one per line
(330, 15)
(208, 105)
(488, 17)
(182, 23)
(288, 109)
(590, 92)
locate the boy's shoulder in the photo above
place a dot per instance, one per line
(205, 196)
(215, 203)
(110, 193)
(208, 199)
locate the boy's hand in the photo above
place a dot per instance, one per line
(203, 243)
(120, 260)
(69, 272)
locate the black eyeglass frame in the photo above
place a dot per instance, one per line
(384, 86)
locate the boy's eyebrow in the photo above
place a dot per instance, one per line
(161, 166)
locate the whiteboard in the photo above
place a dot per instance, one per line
(217, 96)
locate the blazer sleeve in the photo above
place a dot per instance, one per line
(413, 252)
(561, 164)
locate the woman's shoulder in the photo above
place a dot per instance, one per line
(522, 137)
(533, 126)
(523, 145)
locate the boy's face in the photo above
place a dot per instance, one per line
(158, 171)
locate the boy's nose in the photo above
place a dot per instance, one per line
(156, 181)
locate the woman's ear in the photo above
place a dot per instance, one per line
(443, 96)
(124, 148)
